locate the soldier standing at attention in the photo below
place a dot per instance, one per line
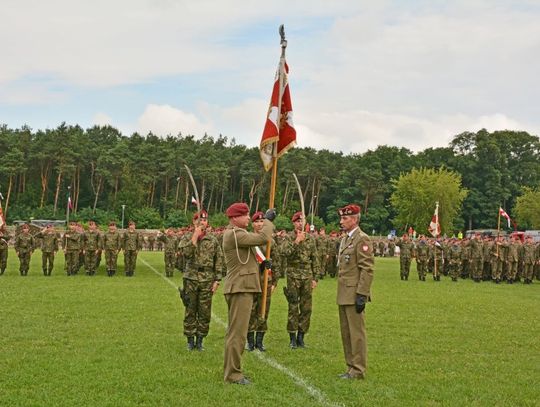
(391, 248)
(49, 247)
(381, 247)
(92, 244)
(257, 324)
(203, 269)
(24, 246)
(512, 259)
(421, 254)
(170, 243)
(72, 246)
(529, 258)
(476, 261)
(454, 260)
(497, 260)
(112, 243)
(4, 237)
(486, 255)
(355, 275)
(241, 283)
(132, 242)
(406, 249)
(302, 276)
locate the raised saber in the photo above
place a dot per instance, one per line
(303, 207)
(194, 185)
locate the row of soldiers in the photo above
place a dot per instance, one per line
(81, 247)
(481, 258)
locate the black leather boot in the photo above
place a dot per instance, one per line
(259, 341)
(292, 343)
(251, 341)
(200, 347)
(300, 340)
(190, 343)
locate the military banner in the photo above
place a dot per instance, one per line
(434, 226)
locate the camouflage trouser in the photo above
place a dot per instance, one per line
(421, 266)
(130, 261)
(331, 266)
(300, 302)
(497, 272)
(476, 267)
(47, 262)
(465, 268)
(111, 259)
(179, 264)
(256, 322)
(454, 270)
(24, 262)
(3, 259)
(90, 261)
(537, 271)
(528, 271)
(494, 264)
(72, 261)
(404, 266)
(322, 262)
(486, 272)
(199, 309)
(170, 262)
(512, 270)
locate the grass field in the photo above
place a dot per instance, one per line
(99, 341)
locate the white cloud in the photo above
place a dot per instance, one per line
(101, 119)
(163, 120)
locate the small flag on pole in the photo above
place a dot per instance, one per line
(259, 255)
(505, 215)
(434, 226)
(70, 204)
(193, 200)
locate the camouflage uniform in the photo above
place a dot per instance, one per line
(333, 244)
(381, 248)
(112, 243)
(497, 261)
(322, 250)
(49, 246)
(454, 261)
(302, 270)
(486, 255)
(131, 243)
(170, 243)
(151, 242)
(203, 266)
(512, 260)
(72, 245)
(406, 251)
(421, 253)
(24, 246)
(476, 260)
(92, 243)
(4, 237)
(465, 259)
(529, 259)
(391, 248)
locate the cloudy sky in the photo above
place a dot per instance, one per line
(362, 73)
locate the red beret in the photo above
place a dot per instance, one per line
(237, 209)
(296, 216)
(351, 209)
(202, 214)
(257, 216)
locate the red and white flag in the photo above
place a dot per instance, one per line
(279, 127)
(193, 200)
(434, 226)
(503, 213)
(259, 255)
(70, 204)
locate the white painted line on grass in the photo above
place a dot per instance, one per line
(296, 378)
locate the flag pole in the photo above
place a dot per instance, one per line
(498, 230)
(437, 227)
(273, 181)
(68, 206)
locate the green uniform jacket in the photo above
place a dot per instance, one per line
(170, 243)
(49, 243)
(72, 241)
(203, 262)
(355, 272)
(302, 262)
(242, 267)
(132, 240)
(24, 243)
(92, 241)
(112, 241)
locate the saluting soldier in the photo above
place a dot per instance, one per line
(241, 283)
(302, 278)
(4, 238)
(355, 275)
(24, 246)
(203, 266)
(132, 242)
(93, 242)
(406, 251)
(257, 324)
(112, 243)
(72, 246)
(170, 243)
(49, 247)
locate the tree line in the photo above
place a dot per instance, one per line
(102, 169)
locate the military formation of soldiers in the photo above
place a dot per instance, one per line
(481, 258)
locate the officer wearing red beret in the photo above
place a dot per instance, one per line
(241, 283)
(355, 274)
